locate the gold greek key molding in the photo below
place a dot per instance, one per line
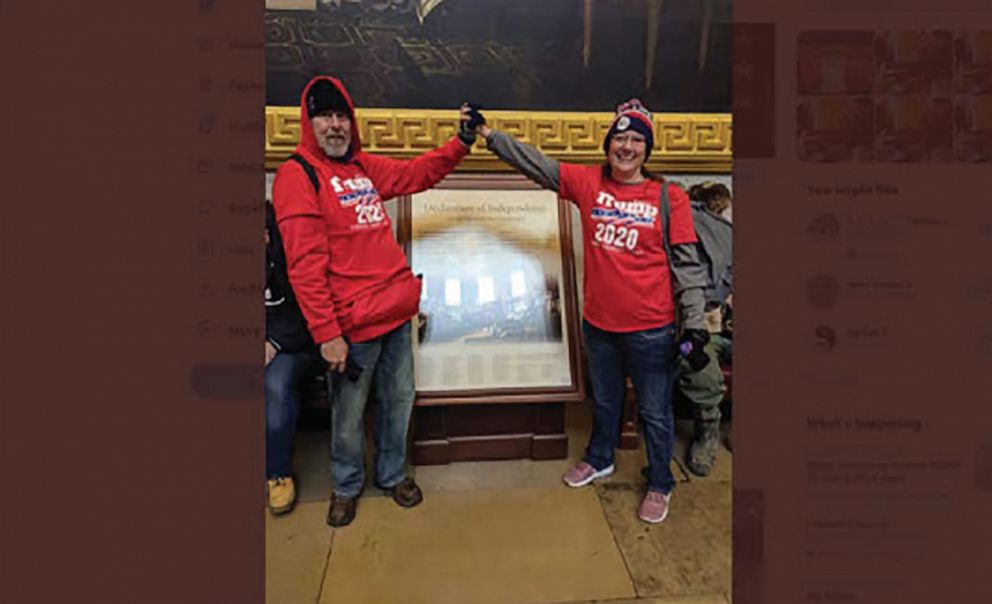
(684, 142)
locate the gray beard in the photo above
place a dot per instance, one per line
(331, 150)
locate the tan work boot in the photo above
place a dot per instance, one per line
(282, 495)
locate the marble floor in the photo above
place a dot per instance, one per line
(506, 532)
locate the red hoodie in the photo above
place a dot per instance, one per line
(340, 251)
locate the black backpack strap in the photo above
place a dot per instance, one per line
(311, 173)
(666, 236)
(666, 214)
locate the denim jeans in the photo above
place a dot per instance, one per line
(649, 358)
(283, 381)
(386, 361)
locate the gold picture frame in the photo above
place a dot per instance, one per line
(524, 344)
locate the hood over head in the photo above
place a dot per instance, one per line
(324, 92)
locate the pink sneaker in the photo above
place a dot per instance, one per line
(582, 474)
(654, 507)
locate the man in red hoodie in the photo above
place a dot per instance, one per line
(353, 282)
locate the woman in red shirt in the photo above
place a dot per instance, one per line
(633, 291)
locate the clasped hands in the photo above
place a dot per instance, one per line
(471, 123)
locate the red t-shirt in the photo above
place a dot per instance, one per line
(627, 282)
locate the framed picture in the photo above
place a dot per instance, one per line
(498, 313)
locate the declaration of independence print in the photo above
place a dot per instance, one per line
(492, 304)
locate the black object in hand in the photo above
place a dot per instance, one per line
(352, 369)
(475, 117)
(692, 347)
(466, 130)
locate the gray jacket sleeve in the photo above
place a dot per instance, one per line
(526, 159)
(689, 281)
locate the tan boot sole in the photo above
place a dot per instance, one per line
(279, 511)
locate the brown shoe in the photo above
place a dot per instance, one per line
(406, 494)
(342, 510)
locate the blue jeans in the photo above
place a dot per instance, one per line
(649, 358)
(283, 379)
(388, 361)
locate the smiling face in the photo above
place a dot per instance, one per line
(627, 154)
(332, 129)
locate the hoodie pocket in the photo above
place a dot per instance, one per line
(397, 300)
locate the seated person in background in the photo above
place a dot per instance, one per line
(290, 356)
(705, 388)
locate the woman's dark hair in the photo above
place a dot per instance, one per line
(715, 196)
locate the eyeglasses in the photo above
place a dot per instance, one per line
(629, 138)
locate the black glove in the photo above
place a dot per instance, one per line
(466, 129)
(692, 347)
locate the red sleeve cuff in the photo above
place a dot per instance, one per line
(325, 332)
(460, 149)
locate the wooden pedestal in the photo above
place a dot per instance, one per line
(447, 433)
(629, 438)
